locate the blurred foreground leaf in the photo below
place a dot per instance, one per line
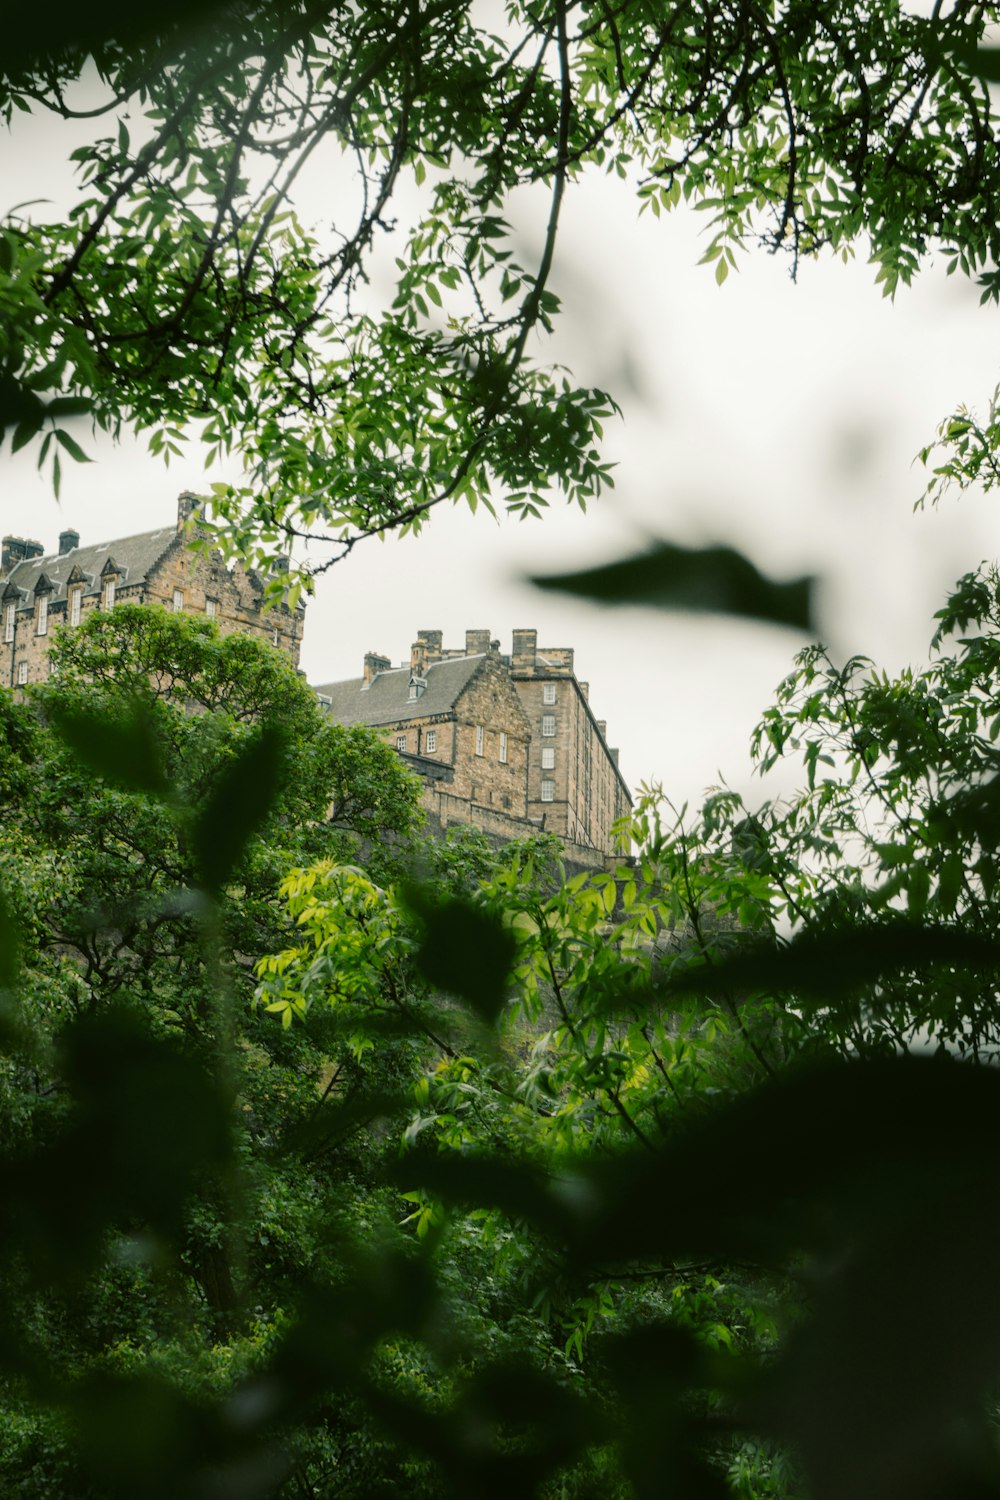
(122, 749)
(463, 950)
(240, 803)
(716, 579)
(836, 962)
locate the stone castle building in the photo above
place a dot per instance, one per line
(573, 776)
(40, 591)
(508, 743)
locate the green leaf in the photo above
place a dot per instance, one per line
(10, 943)
(123, 750)
(72, 446)
(839, 960)
(984, 62)
(24, 432)
(240, 803)
(463, 950)
(666, 576)
(69, 406)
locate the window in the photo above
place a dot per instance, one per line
(548, 790)
(432, 739)
(503, 749)
(109, 593)
(549, 692)
(75, 605)
(8, 622)
(178, 601)
(548, 758)
(548, 725)
(480, 738)
(22, 673)
(42, 624)
(211, 608)
(401, 742)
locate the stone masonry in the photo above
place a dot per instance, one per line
(40, 591)
(457, 723)
(445, 712)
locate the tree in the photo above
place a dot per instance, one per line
(168, 1172)
(770, 1073)
(183, 291)
(674, 1173)
(198, 1199)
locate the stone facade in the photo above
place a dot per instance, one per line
(574, 781)
(458, 724)
(446, 710)
(40, 592)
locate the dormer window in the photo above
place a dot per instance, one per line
(418, 686)
(110, 574)
(9, 617)
(42, 615)
(75, 604)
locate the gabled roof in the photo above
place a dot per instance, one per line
(134, 559)
(386, 699)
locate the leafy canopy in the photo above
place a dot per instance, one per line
(379, 353)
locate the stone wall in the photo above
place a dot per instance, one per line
(200, 579)
(489, 704)
(586, 794)
(178, 578)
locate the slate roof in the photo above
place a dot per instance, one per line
(134, 555)
(386, 699)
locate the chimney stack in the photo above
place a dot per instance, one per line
(477, 642)
(68, 542)
(375, 664)
(525, 644)
(425, 651)
(17, 549)
(188, 505)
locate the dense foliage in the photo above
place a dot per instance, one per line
(441, 1170)
(332, 1164)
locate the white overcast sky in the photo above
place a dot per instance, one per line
(781, 418)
